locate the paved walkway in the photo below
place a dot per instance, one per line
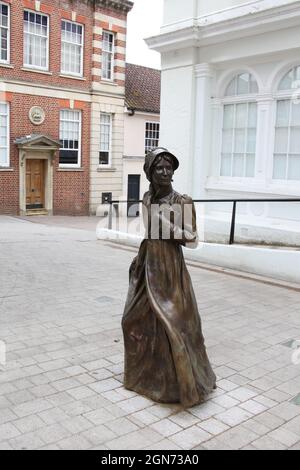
(61, 300)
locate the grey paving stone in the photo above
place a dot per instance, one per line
(166, 427)
(99, 435)
(28, 441)
(234, 416)
(29, 424)
(8, 431)
(78, 442)
(213, 426)
(122, 426)
(190, 437)
(267, 443)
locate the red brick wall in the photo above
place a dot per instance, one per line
(71, 188)
(57, 10)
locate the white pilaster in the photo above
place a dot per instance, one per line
(202, 128)
(265, 137)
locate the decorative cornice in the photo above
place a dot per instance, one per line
(121, 5)
(219, 28)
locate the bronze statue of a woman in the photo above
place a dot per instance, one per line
(165, 354)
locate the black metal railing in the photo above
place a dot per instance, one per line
(233, 215)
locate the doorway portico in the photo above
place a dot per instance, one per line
(36, 158)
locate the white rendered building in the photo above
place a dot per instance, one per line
(230, 110)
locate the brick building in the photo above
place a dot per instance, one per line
(62, 65)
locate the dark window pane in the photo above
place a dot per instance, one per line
(44, 21)
(68, 157)
(63, 26)
(31, 16)
(5, 10)
(26, 15)
(38, 19)
(103, 158)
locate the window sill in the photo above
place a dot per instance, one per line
(61, 168)
(101, 169)
(108, 82)
(28, 69)
(7, 66)
(3, 168)
(74, 77)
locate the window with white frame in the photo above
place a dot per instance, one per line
(4, 135)
(70, 138)
(108, 46)
(105, 139)
(286, 162)
(36, 40)
(239, 128)
(71, 48)
(4, 32)
(151, 136)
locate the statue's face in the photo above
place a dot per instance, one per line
(162, 173)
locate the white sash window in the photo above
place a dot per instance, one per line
(108, 46)
(239, 128)
(70, 137)
(105, 139)
(4, 135)
(286, 162)
(4, 33)
(36, 40)
(71, 48)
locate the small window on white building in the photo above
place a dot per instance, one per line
(151, 136)
(286, 164)
(4, 135)
(239, 128)
(4, 32)
(71, 48)
(36, 40)
(108, 46)
(105, 139)
(70, 138)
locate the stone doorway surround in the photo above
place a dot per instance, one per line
(41, 147)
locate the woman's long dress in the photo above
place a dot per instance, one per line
(165, 355)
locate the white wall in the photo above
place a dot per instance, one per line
(134, 149)
(178, 10)
(106, 179)
(134, 133)
(177, 112)
(205, 7)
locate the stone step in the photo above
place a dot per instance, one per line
(30, 212)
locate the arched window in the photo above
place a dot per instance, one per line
(286, 164)
(239, 127)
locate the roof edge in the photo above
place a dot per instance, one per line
(123, 5)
